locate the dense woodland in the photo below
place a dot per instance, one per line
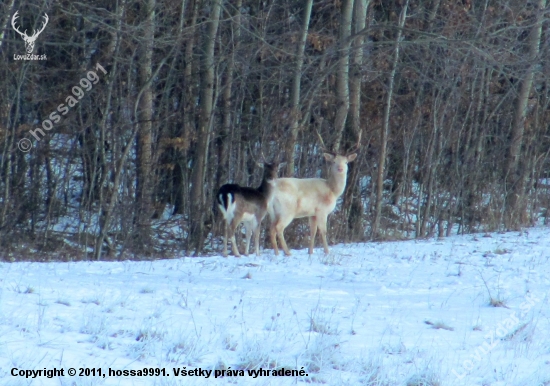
(451, 99)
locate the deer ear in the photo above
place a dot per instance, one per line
(281, 165)
(329, 157)
(260, 164)
(352, 157)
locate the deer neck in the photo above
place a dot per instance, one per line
(265, 188)
(337, 183)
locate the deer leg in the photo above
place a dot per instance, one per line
(312, 233)
(322, 224)
(234, 225)
(225, 239)
(257, 239)
(248, 227)
(273, 236)
(234, 246)
(280, 227)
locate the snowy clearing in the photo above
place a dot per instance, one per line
(466, 310)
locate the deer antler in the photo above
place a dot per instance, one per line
(262, 156)
(15, 16)
(357, 145)
(44, 23)
(324, 148)
(260, 159)
(320, 121)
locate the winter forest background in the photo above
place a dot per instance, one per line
(451, 98)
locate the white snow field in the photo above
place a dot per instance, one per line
(393, 313)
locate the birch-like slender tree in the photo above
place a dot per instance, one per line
(514, 177)
(352, 206)
(207, 84)
(145, 178)
(223, 139)
(295, 106)
(342, 72)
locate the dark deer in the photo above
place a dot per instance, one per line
(240, 204)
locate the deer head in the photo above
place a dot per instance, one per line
(29, 40)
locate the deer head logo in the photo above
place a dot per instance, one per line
(29, 40)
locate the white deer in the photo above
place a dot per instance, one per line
(308, 197)
(240, 204)
(29, 40)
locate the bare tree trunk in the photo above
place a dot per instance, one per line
(352, 207)
(384, 132)
(430, 165)
(513, 180)
(222, 142)
(168, 187)
(107, 214)
(206, 107)
(295, 90)
(145, 179)
(119, 168)
(7, 158)
(188, 73)
(113, 51)
(360, 14)
(106, 209)
(342, 76)
(474, 149)
(224, 138)
(5, 21)
(181, 174)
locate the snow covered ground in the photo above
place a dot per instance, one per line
(394, 313)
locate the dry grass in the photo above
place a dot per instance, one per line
(439, 325)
